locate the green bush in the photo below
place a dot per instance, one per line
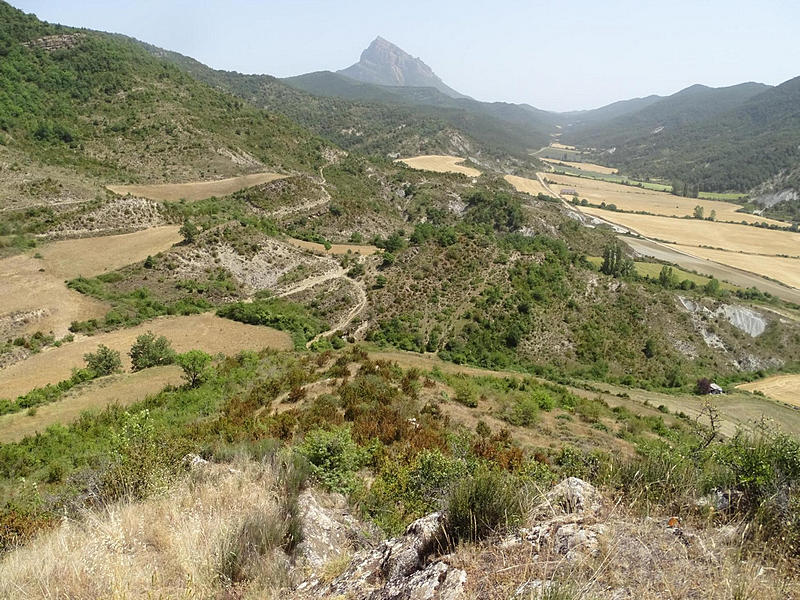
(334, 458)
(149, 351)
(481, 505)
(196, 366)
(104, 361)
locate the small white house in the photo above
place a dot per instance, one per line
(715, 389)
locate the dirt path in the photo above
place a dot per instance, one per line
(351, 314)
(290, 210)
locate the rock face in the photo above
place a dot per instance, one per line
(397, 569)
(51, 43)
(566, 521)
(383, 63)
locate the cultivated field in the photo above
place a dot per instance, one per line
(335, 249)
(693, 232)
(562, 146)
(653, 270)
(785, 270)
(123, 389)
(528, 186)
(440, 164)
(634, 199)
(205, 332)
(583, 166)
(34, 296)
(198, 190)
(784, 388)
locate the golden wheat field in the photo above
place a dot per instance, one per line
(785, 270)
(34, 296)
(559, 146)
(528, 186)
(197, 190)
(634, 199)
(693, 232)
(784, 388)
(440, 164)
(583, 166)
(204, 332)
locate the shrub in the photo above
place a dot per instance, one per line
(149, 351)
(481, 505)
(334, 457)
(195, 365)
(104, 361)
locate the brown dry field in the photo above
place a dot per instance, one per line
(783, 388)
(25, 288)
(123, 389)
(562, 146)
(693, 232)
(630, 198)
(197, 190)
(335, 249)
(583, 166)
(440, 164)
(785, 270)
(205, 332)
(528, 186)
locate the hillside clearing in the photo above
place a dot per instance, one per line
(583, 166)
(440, 164)
(635, 199)
(783, 388)
(335, 249)
(124, 389)
(785, 270)
(197, 190)
(34, 296)
(694, 232)
(653, 270)
(528, 186)
(205, 332)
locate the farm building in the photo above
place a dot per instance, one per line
(569, 192)
(715, 389)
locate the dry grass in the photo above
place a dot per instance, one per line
(123, 389)
(335, 249)
(583, 166)
(785, 270)
(167, 547)
(528, 186)
(638, 558)
(440, 164)
(205, 332)
(633, 199)
(783, 388)
(693, 232)
(197, 190)
(558, 146)
(35, 286)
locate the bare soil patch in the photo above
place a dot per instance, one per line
(197, 190)
(440, 164)
(205, 332)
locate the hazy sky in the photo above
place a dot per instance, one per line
(555, 55)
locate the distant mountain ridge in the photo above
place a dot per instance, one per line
(384, 63)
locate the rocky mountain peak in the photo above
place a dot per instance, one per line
(384, 63)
